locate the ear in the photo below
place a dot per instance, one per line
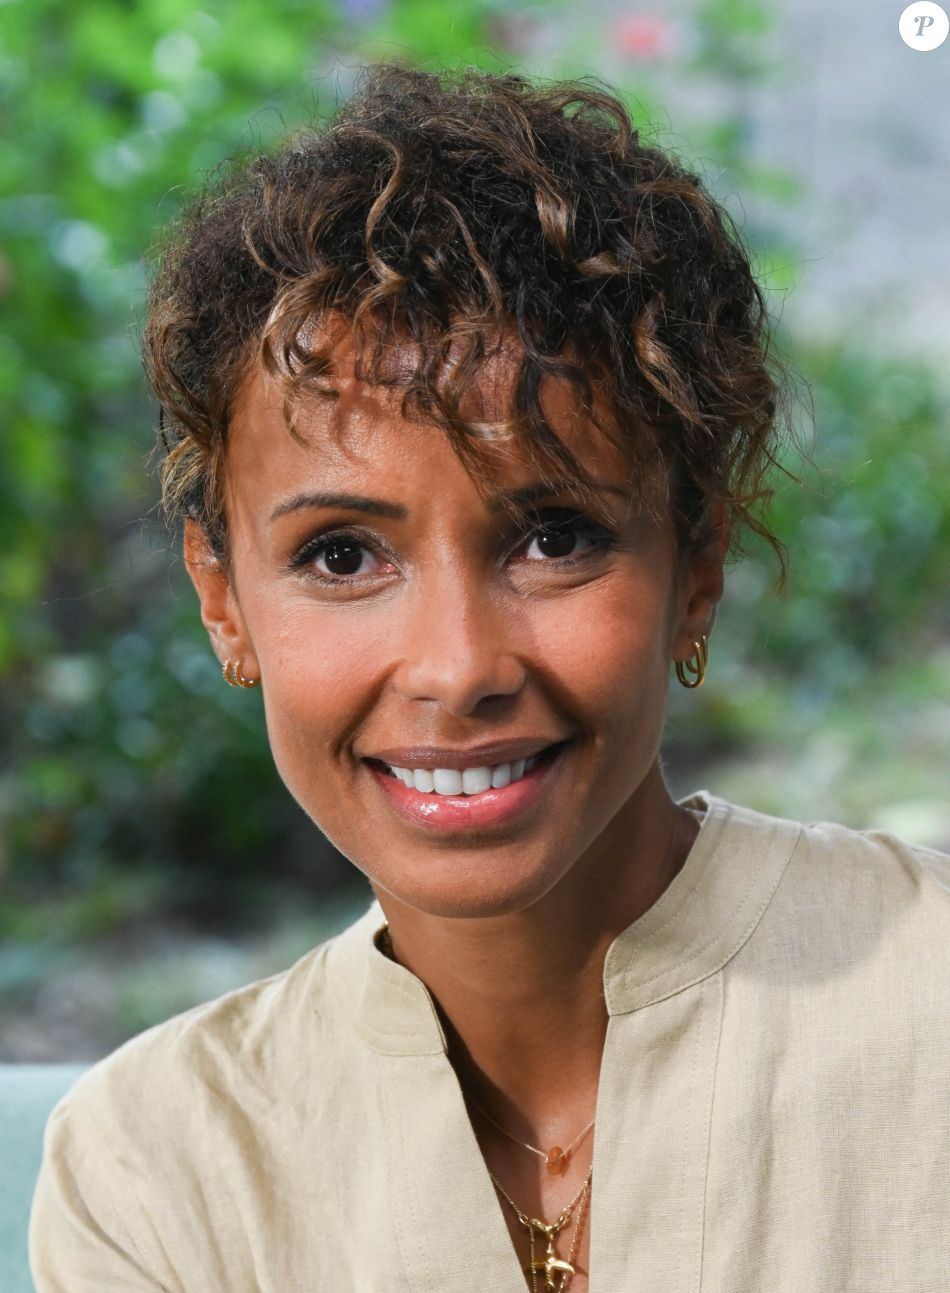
(220, 609)
(701, 586)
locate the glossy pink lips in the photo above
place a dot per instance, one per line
(491, 807)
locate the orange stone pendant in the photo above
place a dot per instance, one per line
(556, 1161)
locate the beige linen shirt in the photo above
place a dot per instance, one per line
(773, 1113)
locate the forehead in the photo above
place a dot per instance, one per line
(363, 430)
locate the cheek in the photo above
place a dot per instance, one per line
(318, 673)
(613, 650)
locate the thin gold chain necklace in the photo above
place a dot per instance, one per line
(557, 1271)
(556, 1159)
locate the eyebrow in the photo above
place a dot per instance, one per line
(397, 512)
(351, 502)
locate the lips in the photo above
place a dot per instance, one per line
(496, 807)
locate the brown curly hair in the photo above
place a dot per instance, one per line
(452, 209)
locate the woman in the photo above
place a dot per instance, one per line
(464, 400)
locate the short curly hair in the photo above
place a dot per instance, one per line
(452, 209)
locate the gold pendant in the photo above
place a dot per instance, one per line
(557, 1272)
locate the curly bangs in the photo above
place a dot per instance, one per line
(452, 210)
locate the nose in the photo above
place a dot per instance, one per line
(460, 643)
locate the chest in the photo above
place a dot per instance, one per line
(722, 1160)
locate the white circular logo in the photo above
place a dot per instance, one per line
(924, 25)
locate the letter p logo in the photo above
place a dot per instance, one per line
(924, 25)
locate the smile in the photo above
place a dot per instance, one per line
(463, 781)
(450, 798)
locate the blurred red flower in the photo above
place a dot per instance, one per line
(644, 36)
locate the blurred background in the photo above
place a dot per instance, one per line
(149, 856)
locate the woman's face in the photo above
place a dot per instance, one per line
(396, 619)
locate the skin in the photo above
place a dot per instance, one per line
(458, 628)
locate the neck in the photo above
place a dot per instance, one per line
(521, 994)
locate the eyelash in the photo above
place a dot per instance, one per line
(600, 538)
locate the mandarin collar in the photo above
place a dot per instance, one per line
(700, 921)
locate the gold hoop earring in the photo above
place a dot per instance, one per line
(231, 669)
(692, 672)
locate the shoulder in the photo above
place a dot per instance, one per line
(260, 1041)
(835, 855)
(157, 1125)
(877, 864)
(147, 1136)
(853, 902)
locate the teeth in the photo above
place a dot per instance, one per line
(466, 781)
(446, 781)
(501, 776)
(475, 780)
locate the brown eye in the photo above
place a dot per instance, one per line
(341, 556)
(567, 537)
(338, 558)
(556, 543)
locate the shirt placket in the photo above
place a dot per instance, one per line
(652, 1143)
(450, 1232)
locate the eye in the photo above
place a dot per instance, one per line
(566, 537)
(341, 556)
(338, 558)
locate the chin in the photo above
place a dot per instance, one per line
(463, 887)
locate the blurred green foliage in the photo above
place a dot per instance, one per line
(133, 783)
